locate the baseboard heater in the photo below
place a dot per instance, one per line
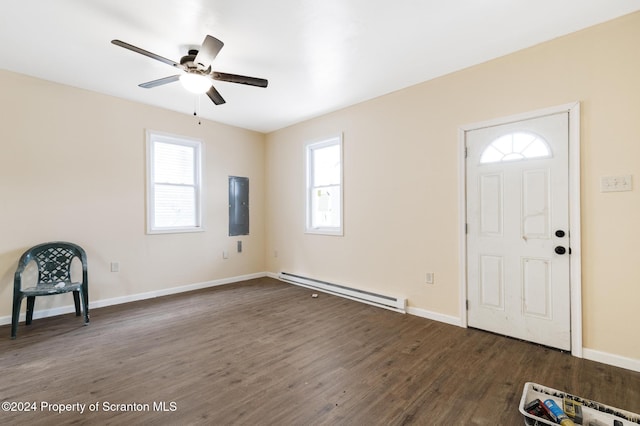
(380, 300)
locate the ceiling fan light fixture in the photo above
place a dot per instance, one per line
(196, 76)
(195, 83)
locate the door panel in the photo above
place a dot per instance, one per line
(491, 205)
(536, 285)
(492, 282)
(535, 204)
(517, 197)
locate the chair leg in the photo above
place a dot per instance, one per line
(31, 301)
(15, 315)
(76, 301)
(85, 303)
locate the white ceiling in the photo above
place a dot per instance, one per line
(319, 56)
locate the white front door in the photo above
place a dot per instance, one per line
(518, 230)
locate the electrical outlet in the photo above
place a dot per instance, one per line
(115, 266)
(225, 254)
(430, 278)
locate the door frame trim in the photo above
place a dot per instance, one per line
(575, 260)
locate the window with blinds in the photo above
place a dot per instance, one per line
(173, 184)
(324, 187)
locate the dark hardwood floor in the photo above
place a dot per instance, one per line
(264, 352)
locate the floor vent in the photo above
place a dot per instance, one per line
(380, 300)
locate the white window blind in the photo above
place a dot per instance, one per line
(324, 187)
(173, 184)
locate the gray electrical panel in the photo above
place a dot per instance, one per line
(238, 205)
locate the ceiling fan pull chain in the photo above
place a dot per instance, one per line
(199, 107)
(196, 108)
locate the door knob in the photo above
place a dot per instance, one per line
(560, 250)
(560, 233)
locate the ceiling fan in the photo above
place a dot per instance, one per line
(197, 76)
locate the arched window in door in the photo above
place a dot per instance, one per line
(516, 146)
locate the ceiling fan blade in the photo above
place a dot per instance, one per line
(241, 79)
(160, 81)
(146, 53)
(209, 50)
(215, 96)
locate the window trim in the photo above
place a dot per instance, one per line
(309, 147)
(155, 136)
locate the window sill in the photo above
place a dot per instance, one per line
(325, 231)
(174, 231)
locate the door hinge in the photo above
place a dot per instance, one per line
(466, 151)
(467, 304)
(466, 228)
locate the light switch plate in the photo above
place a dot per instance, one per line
(616, 183)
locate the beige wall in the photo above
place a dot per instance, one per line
(401, 179)
(73, 168)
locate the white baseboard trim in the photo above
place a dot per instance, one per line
(44, 313)
(435, 316)
(611, 359)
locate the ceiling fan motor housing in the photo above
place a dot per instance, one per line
(191, 66)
